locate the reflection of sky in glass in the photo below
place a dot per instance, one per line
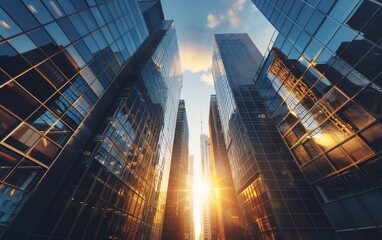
(294, 104)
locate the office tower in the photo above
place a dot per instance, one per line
(275, 198)
(321, 82)
(207, 230)
(189, 216)
(174, 226)
(229, 222)
(88, 102)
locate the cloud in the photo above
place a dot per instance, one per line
(207, 78)
(234, 13)
(195, 58)
(212, 21)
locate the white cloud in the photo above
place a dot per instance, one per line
(207, 78)
(234, 13)
(212, 21)
(195, 58)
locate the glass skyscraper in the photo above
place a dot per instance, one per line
(228, 215)
(322, 83)
(88, 100)
(275, 198)
(175, 224)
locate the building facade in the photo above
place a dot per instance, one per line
(189, 216)
(275, 198)
(176, 223)
(322, 83)
(86, 141)
(206, 231)
(228, 215)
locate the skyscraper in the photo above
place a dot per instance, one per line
(206, 231)
(275, 199)
(321, 82)
(175, 223)
(88, 97)
(229, 218)
(189, 216)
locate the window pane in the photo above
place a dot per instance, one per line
(17, 100)
(8, 27)
(44, 151)
(57, 34)
(51, 73)
(373, 136)
(26, 175)
(10, 208)
(59, 133)
(339, 158)
(42, 120)
(23, 138)
(38, 10)
(8, 159)
(34, 83)
(7, 123)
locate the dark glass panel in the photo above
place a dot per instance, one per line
(17, 100)
(354, 115)
(10, 61)
(11, 200)
(8, 159)
(26, 175)
(373, 137)
(63, 61)
(44, 41)
(34, 83)
(342, 9)
(51, 72)
(371, 99)
(60, 133)
(57, 34)
(7, 123)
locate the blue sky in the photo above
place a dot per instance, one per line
(196, 21)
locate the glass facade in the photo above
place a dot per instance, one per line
(321, 82)
(275, 198)
(174, 225)
(67, 169)
(229, 219)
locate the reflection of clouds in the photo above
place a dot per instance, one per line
(194, 58)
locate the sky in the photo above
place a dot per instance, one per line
(196, 22)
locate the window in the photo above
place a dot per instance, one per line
(50, 71)
(7, 123)
(26, 175)
(23, 138)
(42, 119)
(34, 83)
(60, 133)
(57, 34)
(44, 151)
(8, 27)
(38, 10)
(8, 159)
(14, 98)
(11, 62)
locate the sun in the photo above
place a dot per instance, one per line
(204, 189)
